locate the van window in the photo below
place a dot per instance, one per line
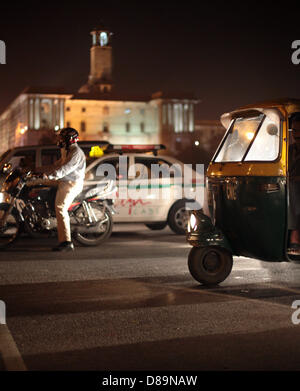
(50, 156)
(23, 159)
(4, 155)
(93, 174)
(166, 170)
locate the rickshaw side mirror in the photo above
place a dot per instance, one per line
(272, 130)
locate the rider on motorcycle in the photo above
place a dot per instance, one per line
(69, 173)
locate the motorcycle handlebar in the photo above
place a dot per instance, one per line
(34, 175)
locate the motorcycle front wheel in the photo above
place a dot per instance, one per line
(95, 234)
(9, 232)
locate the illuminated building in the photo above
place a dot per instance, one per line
(96, 109)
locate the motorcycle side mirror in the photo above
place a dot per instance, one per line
(6, 169)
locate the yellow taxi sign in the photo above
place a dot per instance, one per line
(96, 151)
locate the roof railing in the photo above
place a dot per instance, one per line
(135, 148)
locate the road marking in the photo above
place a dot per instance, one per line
(236, 268)
(10, 354)
(286, 288)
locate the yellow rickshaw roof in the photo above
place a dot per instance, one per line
(284, 105)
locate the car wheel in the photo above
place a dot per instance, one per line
(209, 265)
(178, 217)
(156, 226)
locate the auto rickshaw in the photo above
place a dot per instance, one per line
(248, 210)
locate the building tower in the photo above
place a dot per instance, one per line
(100, 77)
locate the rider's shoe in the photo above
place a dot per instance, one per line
(64, 246)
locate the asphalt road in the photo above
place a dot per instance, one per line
(131, 304)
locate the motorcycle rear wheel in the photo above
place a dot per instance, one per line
(95, 238)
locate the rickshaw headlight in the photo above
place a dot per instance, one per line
(193, 222)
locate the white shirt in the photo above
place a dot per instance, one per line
(71, 166)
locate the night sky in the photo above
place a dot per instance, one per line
(228, 54)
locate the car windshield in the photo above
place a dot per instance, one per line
(250, 139)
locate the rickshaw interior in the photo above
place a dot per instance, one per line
(294, 185)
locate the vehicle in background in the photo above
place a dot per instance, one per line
(34, 156)
(41, 155)
(155, 212)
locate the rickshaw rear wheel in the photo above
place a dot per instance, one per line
(209, 265)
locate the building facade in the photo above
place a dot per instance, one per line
(32, 118)
(117, 121)
(97, 111)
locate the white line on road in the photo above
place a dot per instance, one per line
(10, 354)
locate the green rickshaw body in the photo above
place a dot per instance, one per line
(247, 185)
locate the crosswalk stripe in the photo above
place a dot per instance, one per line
(10, 354)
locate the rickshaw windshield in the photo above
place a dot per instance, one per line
(251, 139)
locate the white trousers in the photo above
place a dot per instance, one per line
(66, 192)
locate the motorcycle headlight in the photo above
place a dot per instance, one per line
(8, 186)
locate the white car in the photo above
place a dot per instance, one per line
(143, 198)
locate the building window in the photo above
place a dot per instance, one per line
(185, 117)
(178, 118)
(68, 124)
(170, 114)
(127, 127)
(83, 109)
(82, 126)
(105, 110)
(61, 113)
(164, 114)
(46, 113)
(191, 118)
(142, 126)
(31, 113)
(68, 108)
(105, 127)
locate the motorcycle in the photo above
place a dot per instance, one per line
(32, 209)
